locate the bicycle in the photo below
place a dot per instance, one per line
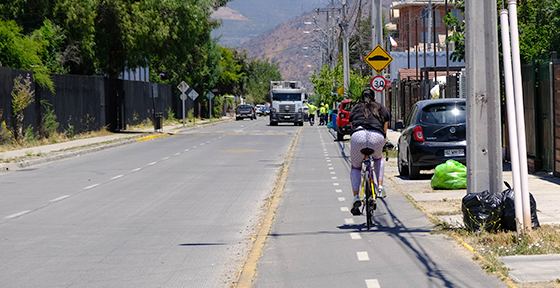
(369, 183)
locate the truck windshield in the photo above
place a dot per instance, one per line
(286, 96)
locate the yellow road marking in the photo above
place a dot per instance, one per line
(150, 137)
(249, 270)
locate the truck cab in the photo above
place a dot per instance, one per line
(287, 102)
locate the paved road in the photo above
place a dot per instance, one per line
(181, 212)
(172, 212)
(315, 242)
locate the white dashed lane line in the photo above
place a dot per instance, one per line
(95, 185)
(91, 186)
(59, 198)
(17, 214)
(338, 190)
(341, 199)
(344, 209)
(349, 221)
(335, 184)
(372, 283)
(355, 236)
(362, 256)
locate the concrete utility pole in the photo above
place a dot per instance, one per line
(484, 161)
(345, 54)
(376, 36)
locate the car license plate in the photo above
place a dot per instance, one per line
(454, 152)
(286, 116)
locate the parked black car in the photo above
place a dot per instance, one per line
(245, 111)
(433, 133)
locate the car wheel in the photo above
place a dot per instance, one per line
(339, 136)
(403, 170)
(413, 172)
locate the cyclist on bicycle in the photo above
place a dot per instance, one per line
(369, 121)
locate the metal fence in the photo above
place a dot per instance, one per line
(87, 103)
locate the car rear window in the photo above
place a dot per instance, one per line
(444, 113)
(347, 106)
(244, 106)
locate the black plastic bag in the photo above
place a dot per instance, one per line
(508, 199)
(482, 211)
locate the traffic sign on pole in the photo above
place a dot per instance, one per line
(193, 94)
(183, 86)
(210, 95)
(378, 83)
(378, 59)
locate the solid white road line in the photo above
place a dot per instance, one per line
(59, 198)
(363, 256)
(355, 236)
(372, 283)
(17, 214)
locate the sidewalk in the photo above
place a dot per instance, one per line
(546, 191)
(47, 153)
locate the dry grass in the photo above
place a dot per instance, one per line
(53, 139)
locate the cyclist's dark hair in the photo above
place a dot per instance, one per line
(368, 105)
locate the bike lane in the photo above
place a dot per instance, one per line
(315, 241)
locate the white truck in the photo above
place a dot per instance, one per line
(287, 100)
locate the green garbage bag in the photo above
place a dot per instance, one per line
(450, 175)
(329, 125)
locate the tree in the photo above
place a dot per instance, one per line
(538, 21)
(257, 82)
(23, 52)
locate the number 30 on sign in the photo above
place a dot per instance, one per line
(378, 83)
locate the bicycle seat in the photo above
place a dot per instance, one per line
(367, 151)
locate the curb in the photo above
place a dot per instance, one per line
(100, 146)
(508, 281)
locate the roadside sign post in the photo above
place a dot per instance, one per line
(192, 94)
(378, 59)
(378, 83)
(210, 96)
(183, 87)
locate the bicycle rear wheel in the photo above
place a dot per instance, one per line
(370, 204)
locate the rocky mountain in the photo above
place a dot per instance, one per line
(276, 30)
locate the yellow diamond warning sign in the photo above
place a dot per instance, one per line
(378, 59)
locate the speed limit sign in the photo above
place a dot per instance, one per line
(378, 83)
